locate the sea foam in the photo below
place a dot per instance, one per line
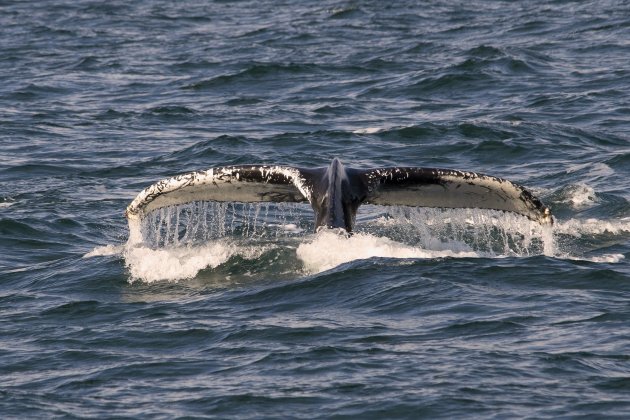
(178, 243)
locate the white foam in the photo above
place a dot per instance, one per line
(329, 249)
(6, 204)
(172, 264)
(606, 258)
(405, 233)
(102, 251)
(582, 227)
(485, 230)
(580, 196)
(369, 130)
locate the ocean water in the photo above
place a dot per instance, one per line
(241, 311)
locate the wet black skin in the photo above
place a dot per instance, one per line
(337, 195)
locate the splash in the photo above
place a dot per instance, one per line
(200, 222)
(589, 234)
(178, 242)
(578, 196)
(172, 264)
(329, 249)
(488, 231)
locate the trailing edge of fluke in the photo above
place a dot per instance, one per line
(336, 192)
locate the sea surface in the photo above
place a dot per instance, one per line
(241, 311)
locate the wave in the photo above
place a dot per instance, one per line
(328, 250)
(577, 196)
(177, 263)
(171, 110)
(483, 58)
(254, 73)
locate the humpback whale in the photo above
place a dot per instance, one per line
(336, 192)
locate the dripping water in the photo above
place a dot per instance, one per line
(484, 231)
(202, 221)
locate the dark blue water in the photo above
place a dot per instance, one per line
(427, 314)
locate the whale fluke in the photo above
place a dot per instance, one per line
(335, 192)
(447, 188)
(246, 184)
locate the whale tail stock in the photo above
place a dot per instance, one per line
(336, 192)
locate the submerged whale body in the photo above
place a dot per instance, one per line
(336, 192)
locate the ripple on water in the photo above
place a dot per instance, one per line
(427, 313)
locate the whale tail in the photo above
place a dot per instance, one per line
(335, 192)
